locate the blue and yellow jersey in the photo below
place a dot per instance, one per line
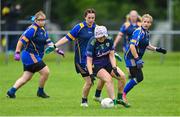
(140, 39)
(127, 29)
(34, 40)
(81, 34)
(99, 51)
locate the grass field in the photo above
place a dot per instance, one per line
(158, 94)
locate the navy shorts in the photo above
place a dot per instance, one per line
(107, 67)
(82, 69)
(34, 67)
(136, 73)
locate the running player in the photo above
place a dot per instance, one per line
(100, 54)
(34, 40)
(80, 33)
(133, 22)
(135, 51)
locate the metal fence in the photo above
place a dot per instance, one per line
(168, 39)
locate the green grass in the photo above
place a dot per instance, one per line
(158, 94)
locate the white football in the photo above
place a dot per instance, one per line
(107, 103)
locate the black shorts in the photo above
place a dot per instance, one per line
(136, 73)
(107, 67)
(82, 69)
(34, 67)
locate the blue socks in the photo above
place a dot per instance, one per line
(40, 90)
(129, 85)
(12, 90)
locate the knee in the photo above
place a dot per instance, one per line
(123, 77)
(139, 79)
(46, 73)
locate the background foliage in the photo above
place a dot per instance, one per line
(109, 12)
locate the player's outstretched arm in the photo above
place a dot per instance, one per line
(61, 41)
(161, 50)
(52, 47)
(157, 49)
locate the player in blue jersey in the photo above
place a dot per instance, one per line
(135, 51)
(80, 33)
(101, 61)
(34, 40)
(133, 21)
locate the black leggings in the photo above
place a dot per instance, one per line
(136, 73)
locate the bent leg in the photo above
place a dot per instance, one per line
(99, 88)
(106, 77)
(20, 82)
(23, 79)
(137, 77)
(121, 79)
(85, 91)
(44, 73)
(86, 87)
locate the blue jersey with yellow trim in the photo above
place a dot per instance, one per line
(34, 40)
(140, 39)
(127, 29)
(99, 51)
(81, 33)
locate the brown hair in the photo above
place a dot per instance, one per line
(39, 13)
(90, 10)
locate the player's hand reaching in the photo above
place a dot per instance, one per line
(139, 63)
(49, 49)
(92, 76)
(17, 56)
(60, 52)
(116, 72)
(161, 50)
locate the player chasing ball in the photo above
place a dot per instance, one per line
(100, 54)
(135, 51)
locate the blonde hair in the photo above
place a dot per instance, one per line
(39, 13)
(139, 18)
(147, 16)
